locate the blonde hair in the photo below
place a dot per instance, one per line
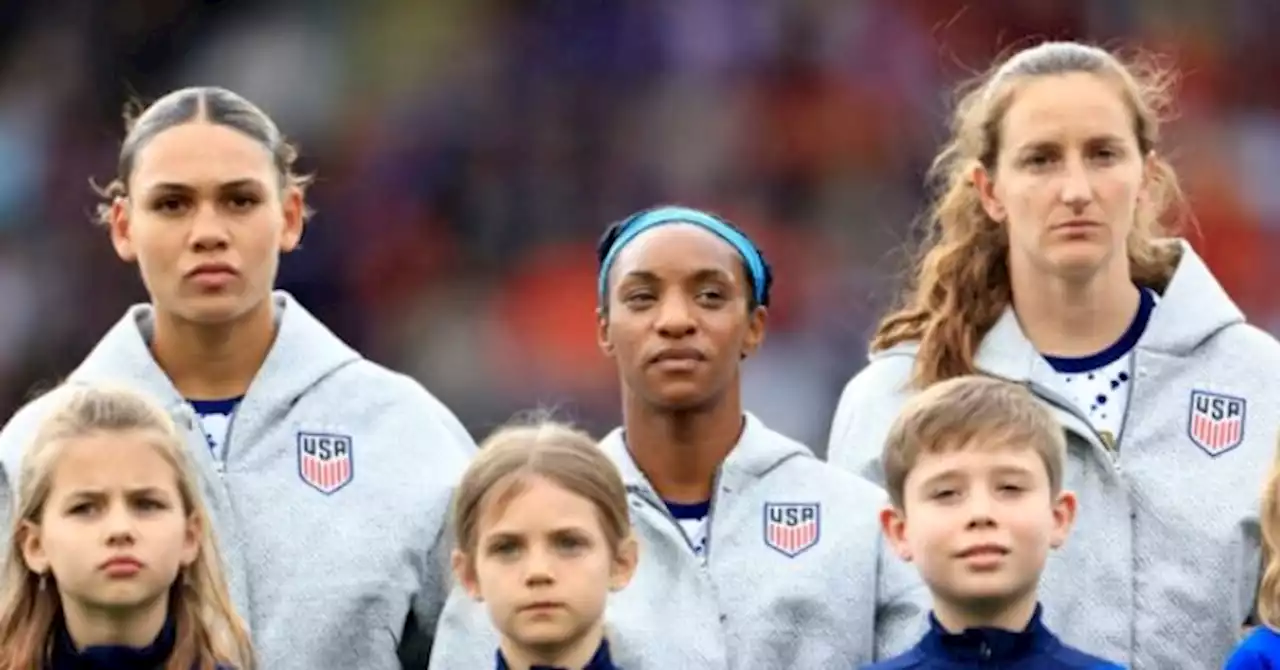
(514, 455)
(959, 284)
(1269, 520)
(209, 632)
(968, 411)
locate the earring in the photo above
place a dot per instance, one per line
(44, 581)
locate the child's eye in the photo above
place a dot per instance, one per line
(504, 548)
(943, 494)
(80, 508)
(151, 505)
(569, 542)
(242, 202)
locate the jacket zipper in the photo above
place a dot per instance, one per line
(651, 497)
(1112, 450)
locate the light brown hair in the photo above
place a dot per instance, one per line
(967, 412)
(1269, 520)
(514, 455)
(208, 629)
(959, 282)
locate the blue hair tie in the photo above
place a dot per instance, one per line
(639, 223)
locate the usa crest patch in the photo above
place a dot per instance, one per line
(325, 461)
(792, 528)
(1216, 422)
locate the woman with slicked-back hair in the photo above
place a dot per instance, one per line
(328, 477)
(1048, 263)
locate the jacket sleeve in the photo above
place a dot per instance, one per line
(902, 605)
(418, 635)
(8, 499)
(451, 449)
(1254, 585)
(465, 638)
(15, 436)
(867, 408)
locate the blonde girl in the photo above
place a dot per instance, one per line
(110, 555)
(543, 538)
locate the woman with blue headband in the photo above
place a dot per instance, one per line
(755, 555)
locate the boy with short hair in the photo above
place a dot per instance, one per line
(973, 467)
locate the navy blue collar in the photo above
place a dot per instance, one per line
(600, 661)
(988, 644)
(111, 657)
(1117, 349)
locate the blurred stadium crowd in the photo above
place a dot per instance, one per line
(470, 151)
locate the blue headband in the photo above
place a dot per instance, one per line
(638, 224)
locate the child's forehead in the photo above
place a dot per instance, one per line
(531, 501)
(110, 461)
(979, 454)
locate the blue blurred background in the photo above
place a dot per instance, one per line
(469, 152)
